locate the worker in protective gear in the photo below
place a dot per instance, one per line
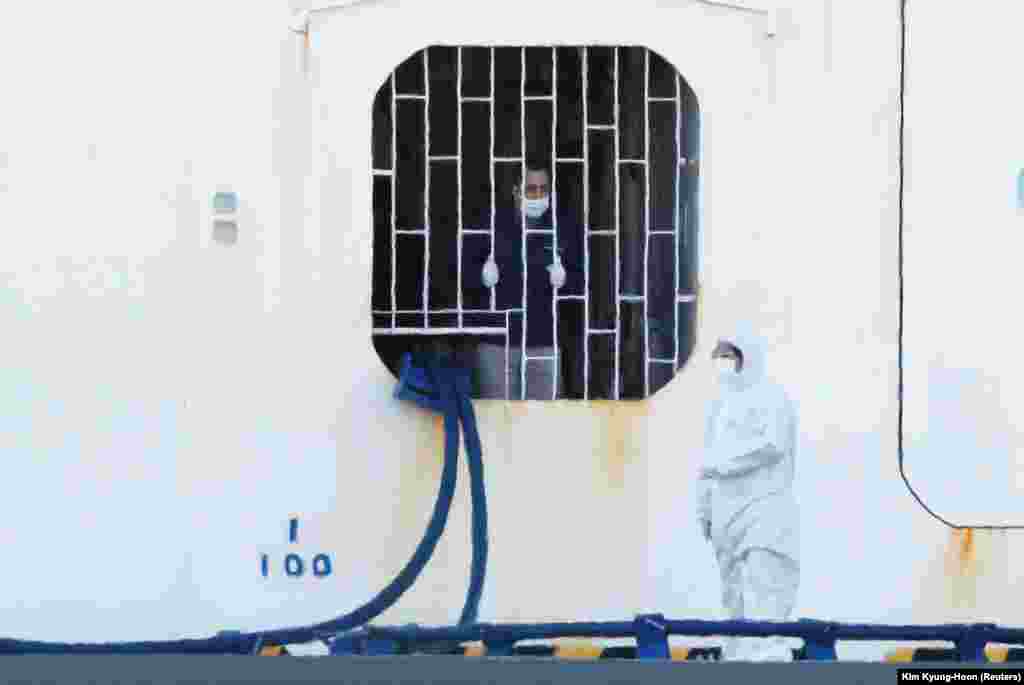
(746, 506)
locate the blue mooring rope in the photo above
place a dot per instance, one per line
(479, 498)
(436, 386)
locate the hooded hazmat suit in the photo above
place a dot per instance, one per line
(746, 504)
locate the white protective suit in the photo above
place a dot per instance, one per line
(745, 494)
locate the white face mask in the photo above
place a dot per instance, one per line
(725, 369)
(536, 208)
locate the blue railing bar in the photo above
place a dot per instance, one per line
(839, 631)
(508, 631)
(807, 629)
(652, 637)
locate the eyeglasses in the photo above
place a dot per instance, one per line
(536, 190)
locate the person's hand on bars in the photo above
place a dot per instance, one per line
(489, 275)
(557, 272)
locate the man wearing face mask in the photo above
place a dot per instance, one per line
(746, 507)
(547, 271)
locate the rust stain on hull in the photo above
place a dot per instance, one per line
(614, 434)
(621, 424)
(961, 552)
(419, 476)
(967, 547)
(962, 568)
(972, 579)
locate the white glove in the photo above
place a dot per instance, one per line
(490, 273)
(557, 272)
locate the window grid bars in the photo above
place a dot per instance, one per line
(394, 197)
(426, 183)
(586, 229)
(461, 330)
(647, 225)
(458, 180)
(508, 316)
(675, 218)
(617, 191)
(554, 212)
(679, 222)
(490, 150)
(384, 312)
(522, 213)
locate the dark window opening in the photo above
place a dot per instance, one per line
(579, 283)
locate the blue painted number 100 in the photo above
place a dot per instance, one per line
(293, 563)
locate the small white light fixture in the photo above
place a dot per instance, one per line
(1020, 191)
(225, 217)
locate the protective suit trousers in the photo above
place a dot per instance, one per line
(759, 585)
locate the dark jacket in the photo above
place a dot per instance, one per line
(508, 254)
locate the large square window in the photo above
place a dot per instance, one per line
(580, 283)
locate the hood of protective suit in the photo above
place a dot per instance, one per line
(752, 346)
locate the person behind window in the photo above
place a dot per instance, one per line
(547, 270)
